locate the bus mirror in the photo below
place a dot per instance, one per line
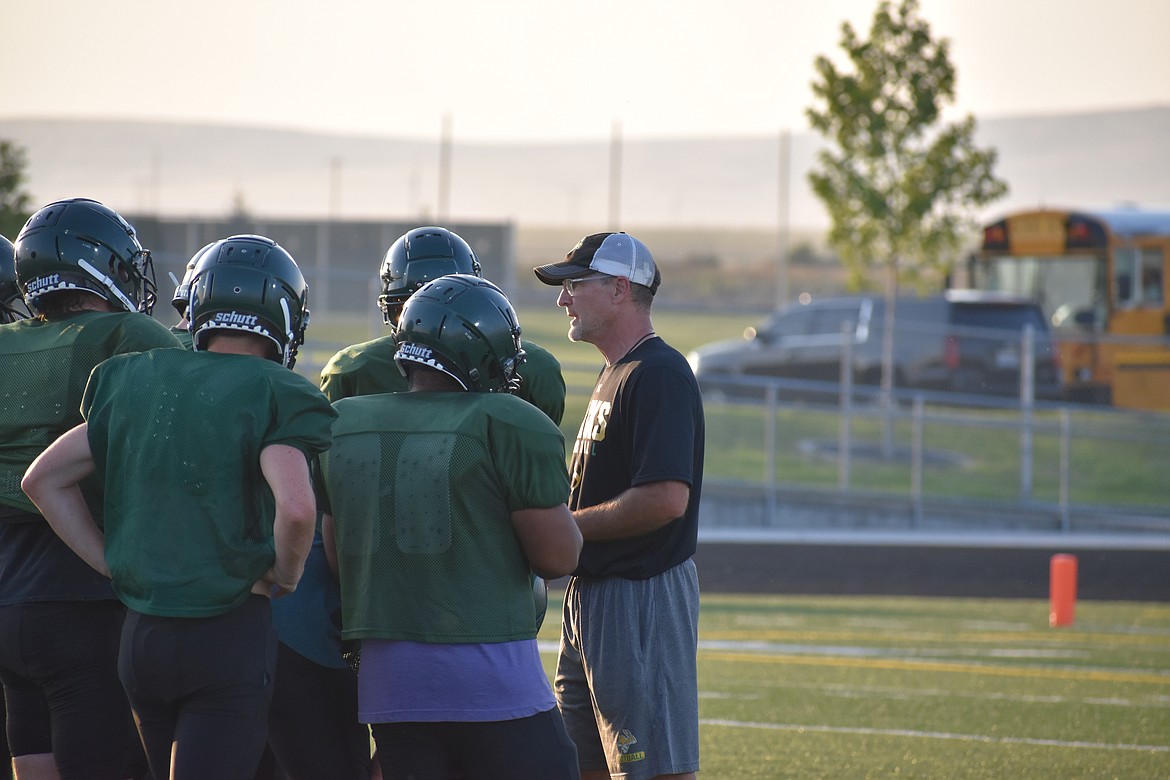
(1085, 318)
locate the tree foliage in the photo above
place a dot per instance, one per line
(15, 203)
(899, 187)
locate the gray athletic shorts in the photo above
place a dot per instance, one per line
(626, 679)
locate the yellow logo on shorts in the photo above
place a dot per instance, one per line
(626, 740)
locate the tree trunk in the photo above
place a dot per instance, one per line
(887, 386)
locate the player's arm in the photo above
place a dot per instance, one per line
(53, 483)
(550, 538)
(286, 470)
(635, 512)
(329, 540)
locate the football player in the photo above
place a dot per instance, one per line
(89, 284)
(415, 258)
(222, 436)
(438, 502)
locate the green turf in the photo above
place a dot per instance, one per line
(853, 687)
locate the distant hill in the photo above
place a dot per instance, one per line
(1085, 160)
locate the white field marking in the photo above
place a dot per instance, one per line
(997, 652)
(908, 694)
(766, 620)
(994, 625)
(770, 648)
(1035, 652)
(1125, 630)
(734, 696)
(1111, 701)
(877, 691)
(1048, 671)
(853, 651)
(883, 623)
(803, 729)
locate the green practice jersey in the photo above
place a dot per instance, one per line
(369, 368)
(177, 436)
(45, 368)
(422, 486)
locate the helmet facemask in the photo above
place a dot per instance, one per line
(183, 286)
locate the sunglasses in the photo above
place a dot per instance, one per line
(570, 285)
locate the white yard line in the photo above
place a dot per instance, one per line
(805, 728)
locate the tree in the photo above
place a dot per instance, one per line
(900, 189)
(15, 203)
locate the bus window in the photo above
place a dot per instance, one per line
(1152, 263)
(1124, 271)
(1070, 290)
(1137, 277)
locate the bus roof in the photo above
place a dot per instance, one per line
(1132, 221)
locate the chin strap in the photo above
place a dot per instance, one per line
(108, 283)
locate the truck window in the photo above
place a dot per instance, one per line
(998, 316)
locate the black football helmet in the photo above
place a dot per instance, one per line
(249, 283)
(465, 327)
(80, 244)
(417, 257)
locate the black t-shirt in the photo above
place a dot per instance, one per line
(643, 424)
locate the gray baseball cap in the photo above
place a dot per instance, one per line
(614, 254)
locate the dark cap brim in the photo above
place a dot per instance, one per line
(555, 273)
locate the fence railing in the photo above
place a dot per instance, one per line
(956, 461)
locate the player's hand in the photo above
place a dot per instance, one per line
(273, 585)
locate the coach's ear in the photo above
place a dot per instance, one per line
(621, 288)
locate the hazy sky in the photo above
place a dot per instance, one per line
(545, 70)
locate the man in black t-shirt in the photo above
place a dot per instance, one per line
(636, 475)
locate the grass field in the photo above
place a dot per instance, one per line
(851, 687)
(845, 687)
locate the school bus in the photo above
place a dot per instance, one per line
(1100, 276)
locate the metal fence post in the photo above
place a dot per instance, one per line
(770, 445)
(1065, 468)
(916, 460)
(1027, 404)
(844, 429)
